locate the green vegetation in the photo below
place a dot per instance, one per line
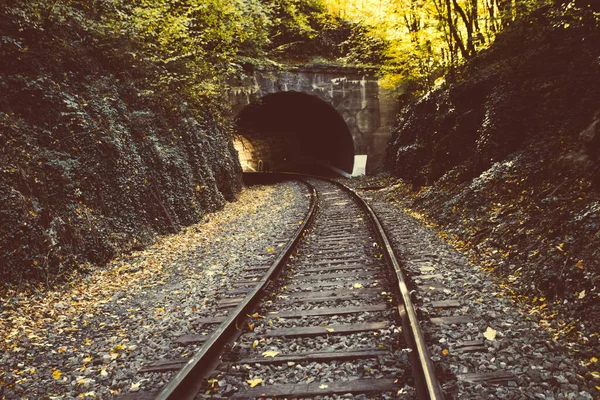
(199, 44)
(114, 122)
(426, 41)
(133, 91)
(505, 163)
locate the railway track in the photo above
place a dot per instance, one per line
(332, 316)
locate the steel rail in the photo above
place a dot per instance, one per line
(428, 386)
(189, 380)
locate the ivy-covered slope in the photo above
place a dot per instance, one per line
(96, 157)
(507, 160)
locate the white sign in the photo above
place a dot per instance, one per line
(360, 165)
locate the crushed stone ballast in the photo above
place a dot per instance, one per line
(331, 315)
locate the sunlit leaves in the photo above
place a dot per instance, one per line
(270, 353)
(196, 41)
(254, 382)
(490, 333)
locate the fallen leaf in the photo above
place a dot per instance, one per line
(323, 387)
(254, 344)
(270, 353)
(490, 334)
(254, 382)
(357, 285)
(56, 374)
(445, 352)
(582, 294)
(329, 329)
(212, 382)
(83, 381)
(579, 264)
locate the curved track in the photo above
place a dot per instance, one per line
(332, 316)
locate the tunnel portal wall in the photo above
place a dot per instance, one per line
(367, 109)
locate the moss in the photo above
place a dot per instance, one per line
(97, 159)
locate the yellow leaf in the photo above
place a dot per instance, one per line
(329, 329)
(103, 372)
(579, 264)
(594, 359)
(254, 382)
(582, 294)
(270, 353)
(595, 374)
(250, 326)
(254, 344)
(56, 374)
(445, 352)
(323, 387)
(357, 285)
(490, 334)
(271, 249)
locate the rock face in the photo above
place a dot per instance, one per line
(367, 109)
(590, 136)
(506, 160)
(95, 159)
(515, 92)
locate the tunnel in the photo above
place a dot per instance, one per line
(293, 132)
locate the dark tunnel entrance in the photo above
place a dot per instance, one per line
(293, 132)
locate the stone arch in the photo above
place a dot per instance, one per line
(293, 131)
(368, 110)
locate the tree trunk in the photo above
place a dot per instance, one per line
(470, 49)
(454, 32)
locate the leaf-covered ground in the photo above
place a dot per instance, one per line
(89, 337)
(505, 163)
(522, 241)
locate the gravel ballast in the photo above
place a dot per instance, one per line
(90, 337)
(542, 367)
